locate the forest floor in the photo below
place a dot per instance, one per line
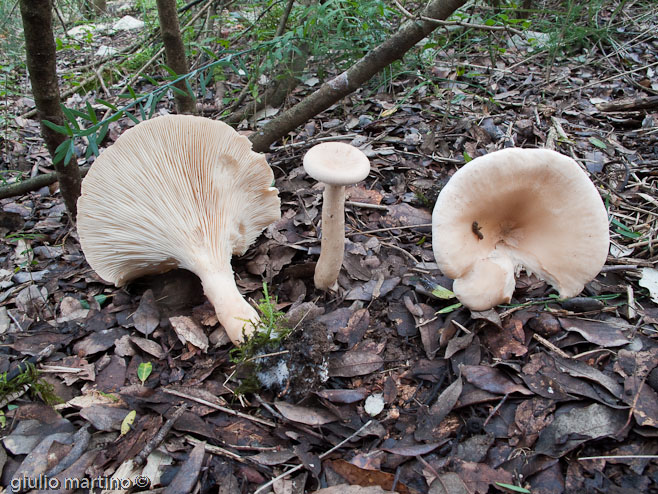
(389, 387)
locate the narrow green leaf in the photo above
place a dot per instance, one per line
(131, 91)
(100, 298)
(189, 88)
(84, 304)
(62, 150)
(449, 309)
(178, 91)
(92, 113)
(598, 143)
(442, 293)
(93, 146)
(171, 71)
(69, 152)
(106, 103)
(58, 128)
(513, 488)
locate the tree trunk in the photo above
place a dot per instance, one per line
(394, 48)
(175, 52)
(41, 58)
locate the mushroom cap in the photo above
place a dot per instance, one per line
(174, 191)
(336, 163)
(534, 207)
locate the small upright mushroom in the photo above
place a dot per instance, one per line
(178, 191)
(336, 164)
(518, 208)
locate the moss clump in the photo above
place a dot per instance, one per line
(267, 338)
(37, 387)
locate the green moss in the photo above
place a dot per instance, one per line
(38, 388)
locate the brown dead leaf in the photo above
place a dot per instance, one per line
(479, 477)
(188, 331)
(575, 426)
(606, 334)
(449, 483)
(355, 329)
(492, 380)
(364, 478)
(358, 193)
(343, 395)
(354, 363)
(351, 489)
(305, 415)
(149, 346)
(147, 316)
(184, 481)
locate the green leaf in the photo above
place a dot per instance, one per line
(442, 293)
(450, 308)
(144, 371)
(93, 146)
(189, 88)
(179, 91)
(598, 143)
(92, 114)
(467, 157)
(100, 298)
(58, 128)
(61, 151)
(171, 71)
(84, 304)
(106, 103)
(69, 152)
(513, 488)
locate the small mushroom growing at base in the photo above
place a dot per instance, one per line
(518, 208)
(336, 164)
(178, 191)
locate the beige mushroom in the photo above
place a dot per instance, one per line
(518, 208)
(336, 164)
(178, 191)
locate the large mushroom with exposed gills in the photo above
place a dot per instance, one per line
(532, 209)
(178, 191)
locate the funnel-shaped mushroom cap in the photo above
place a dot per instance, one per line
(178, 191)
(519, 208)
(336, 163)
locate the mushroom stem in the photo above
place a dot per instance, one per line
(233, 311)
(332, 247)
(489, 282)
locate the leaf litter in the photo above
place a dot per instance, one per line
(543, 395)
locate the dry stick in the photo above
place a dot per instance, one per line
(551, 346)
(216, 449)
(80, 443)
(207, 403)
(322, 456)
(140, 459)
